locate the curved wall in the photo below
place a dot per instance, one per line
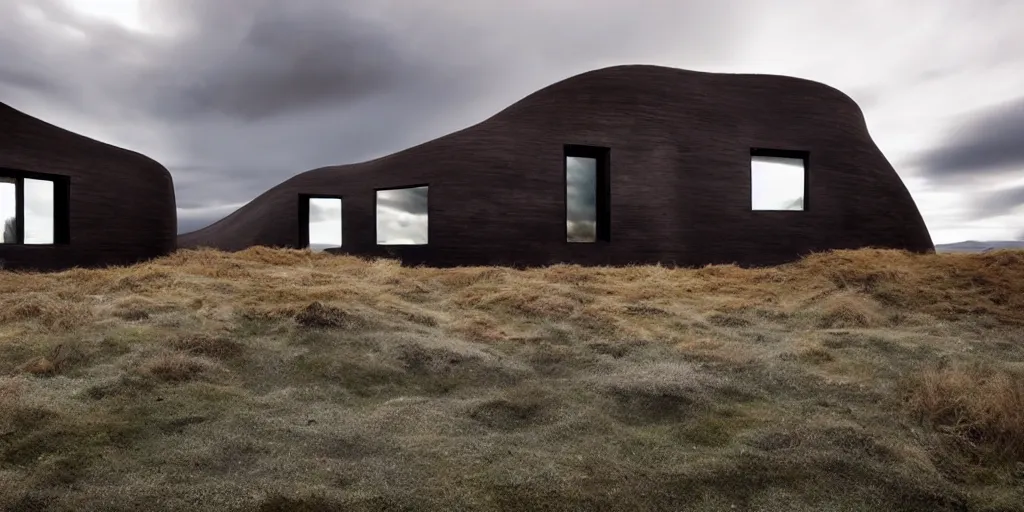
(680, 178)
(120, 206)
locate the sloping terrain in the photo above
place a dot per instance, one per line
(287, 380)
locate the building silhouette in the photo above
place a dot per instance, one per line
(623, 165)
(67, 200)
(627, 164)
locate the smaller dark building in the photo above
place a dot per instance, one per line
(70, 201)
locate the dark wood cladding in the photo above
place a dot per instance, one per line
(121, 206)
(680, 144)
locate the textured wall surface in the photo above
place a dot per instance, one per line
(122, 207)
(680, 145)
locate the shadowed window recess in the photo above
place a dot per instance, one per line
(34, 208)
(778, 180)
(587, 194)
(402, 216)
(324, 229)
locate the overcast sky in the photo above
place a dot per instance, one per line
(235, 96)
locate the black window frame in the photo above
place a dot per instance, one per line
(61, 205)
(376, 226)
(796, 154)
(603, 197)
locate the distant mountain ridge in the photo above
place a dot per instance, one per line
(976, 246)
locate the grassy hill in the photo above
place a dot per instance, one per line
(285, 380)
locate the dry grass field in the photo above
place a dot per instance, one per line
(286, 380)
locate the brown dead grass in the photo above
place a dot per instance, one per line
(220, 347)
(849, 380)
(175, 367)
(848, 310)
(979, 407)
(62, 357)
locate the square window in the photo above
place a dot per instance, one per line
(777, 182)
(402, 216)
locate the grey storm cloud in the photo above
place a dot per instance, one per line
(210, 185)
(20, 78)
(236, 96)
(998, 203)
(991, 143)
(188, 224)
(279, 57)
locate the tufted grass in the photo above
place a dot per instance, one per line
(274, 379)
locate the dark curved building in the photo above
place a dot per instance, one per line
(70, 201)
(627, 164)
